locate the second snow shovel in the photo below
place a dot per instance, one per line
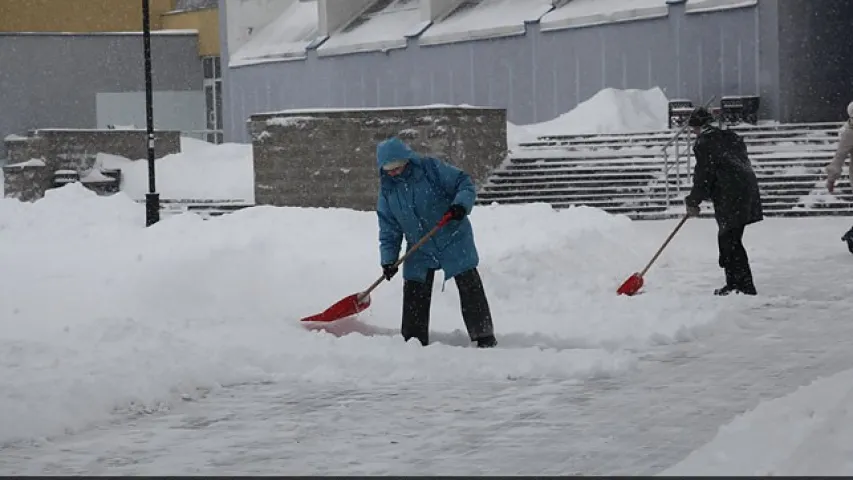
(635, 282)
(358, 302)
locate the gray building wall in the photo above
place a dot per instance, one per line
(51, 80)
(540, 75)
(816, 66)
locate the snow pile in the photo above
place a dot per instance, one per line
(202, 171)
(516, 134)
(807, 433)
(100, 315)
(610, 111)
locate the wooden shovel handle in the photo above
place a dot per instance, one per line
(446, 218)
(665, 243)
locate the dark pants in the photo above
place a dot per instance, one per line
(848, 237)
(734, 261)
(417, 298)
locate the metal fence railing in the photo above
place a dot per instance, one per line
(682, 144)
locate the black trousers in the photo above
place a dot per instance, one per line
(417, 298)
(734, 260)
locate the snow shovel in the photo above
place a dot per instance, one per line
(358, 302)
(635, 282)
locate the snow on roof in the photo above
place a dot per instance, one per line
(480, 19)
(285, 38)
(383, 26)
(582, 13)
(698, 6)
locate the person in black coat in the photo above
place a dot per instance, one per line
(724, 175)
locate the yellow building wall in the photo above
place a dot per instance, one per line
(206, 22)
(79, 16)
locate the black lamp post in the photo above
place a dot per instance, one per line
(152, 198)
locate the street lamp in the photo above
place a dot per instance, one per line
(152, 198)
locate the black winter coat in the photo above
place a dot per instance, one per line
(724, 175)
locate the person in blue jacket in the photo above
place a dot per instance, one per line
(415, 192)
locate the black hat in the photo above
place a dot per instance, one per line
(699, 117)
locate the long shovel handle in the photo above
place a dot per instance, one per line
(665, 243)
(446, 218)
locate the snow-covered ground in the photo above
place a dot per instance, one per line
(177, 348)
(806, 433)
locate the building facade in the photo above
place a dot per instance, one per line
(536, 58)
(79, 64)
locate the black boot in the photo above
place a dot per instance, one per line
(744, 289)
(724, 290)
(475, 308)
(487, 342)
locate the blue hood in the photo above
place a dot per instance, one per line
(393, 149)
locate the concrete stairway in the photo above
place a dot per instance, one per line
(624, 173)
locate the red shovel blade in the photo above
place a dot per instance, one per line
(631, 286)
(346, 307)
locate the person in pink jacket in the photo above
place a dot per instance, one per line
(833, 171)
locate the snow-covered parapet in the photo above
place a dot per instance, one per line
(60, 149)
(27, 180)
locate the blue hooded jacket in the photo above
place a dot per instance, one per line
(413, 202)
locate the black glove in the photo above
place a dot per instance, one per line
(389, 271)
(692, 210)
(457, 212)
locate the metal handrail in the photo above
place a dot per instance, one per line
(674, 140)
(679, 153)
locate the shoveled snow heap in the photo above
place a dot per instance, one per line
(608, 111)
(101, 314)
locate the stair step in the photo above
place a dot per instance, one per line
(625, 174)
(659, 141)
(617, 149)
(552, 158)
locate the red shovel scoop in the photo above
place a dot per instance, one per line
(358, 302)
(634, 283)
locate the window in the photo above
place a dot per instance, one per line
(212, 67)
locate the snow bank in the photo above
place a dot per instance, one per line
(100, 316)
(610, 111)
(202, 171)
(807, 433)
